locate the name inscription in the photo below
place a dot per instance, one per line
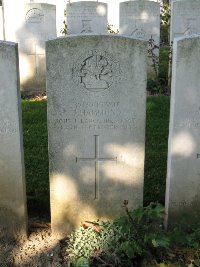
(93, 116)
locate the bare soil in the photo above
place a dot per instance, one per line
(40, 249)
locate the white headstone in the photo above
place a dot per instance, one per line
(39, 26)
(183, 171)
(60, 7)
(14, 12)
(87, 17)
(113, 11)
(96, 122)
(141, 20)
(31, 36)
(185, 18)
(13, 216)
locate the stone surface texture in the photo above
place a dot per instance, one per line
(185, 18)
(141, 20)
(87, 17)
(183, 170)
(13, 215)
(96, 122)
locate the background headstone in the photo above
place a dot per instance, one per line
(183, 171)
(13, 216)
(113, 11)
(96, 123)
(185, 18)
(14, 10)
(60, 7)
(39, 25)
(86, 17)
(31, 36)
(141, 20)
(112, 8)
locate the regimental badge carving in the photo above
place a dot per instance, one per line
(86, 26)
(139, 33)
(96, 71)
(34, 15)
(191, 27)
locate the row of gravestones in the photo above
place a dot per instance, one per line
(96, 124)
(34, 23)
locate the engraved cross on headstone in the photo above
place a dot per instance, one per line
(96, 160)
(37, 53)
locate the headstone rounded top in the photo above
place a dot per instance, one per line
(85, 2)
(35, 12)
(39, 4)
(101, 8)
(139, 2)
(93, 36)
(78, 1)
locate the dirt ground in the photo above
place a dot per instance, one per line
(39, 250)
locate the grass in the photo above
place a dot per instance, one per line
(157, 126)
(36, 151)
